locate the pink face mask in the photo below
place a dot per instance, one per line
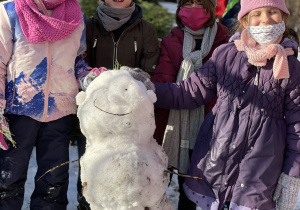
(193, 17)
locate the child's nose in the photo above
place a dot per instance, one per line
(266, 19)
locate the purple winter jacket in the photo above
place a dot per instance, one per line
(252, 131)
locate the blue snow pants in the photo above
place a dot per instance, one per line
(52, 149)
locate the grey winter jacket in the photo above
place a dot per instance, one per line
(252, 131)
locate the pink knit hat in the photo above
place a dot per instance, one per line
(249, 5)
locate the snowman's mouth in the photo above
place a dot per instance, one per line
(109, 112)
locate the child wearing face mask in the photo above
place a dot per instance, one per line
(39, 79)
(183, 51)
(251, 138)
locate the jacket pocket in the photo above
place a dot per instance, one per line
(150, 59)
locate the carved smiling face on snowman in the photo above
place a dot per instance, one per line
(115, 104)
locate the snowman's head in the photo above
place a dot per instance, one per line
(115, 103)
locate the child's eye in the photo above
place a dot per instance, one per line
(187, 4)
(255, 14)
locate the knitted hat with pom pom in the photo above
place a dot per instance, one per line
(249, 5)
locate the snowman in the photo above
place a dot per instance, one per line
(123, 166)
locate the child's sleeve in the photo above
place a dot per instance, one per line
(287, 190)
(198, 89)
(82, 47)
(291, 164)
(81, 66)
(6, 48)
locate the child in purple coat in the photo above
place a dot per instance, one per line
(252, 136)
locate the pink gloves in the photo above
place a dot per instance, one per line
(98, 71)
(84, 83)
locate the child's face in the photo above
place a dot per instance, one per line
(194, 3)
(263, 16)
(118, 3)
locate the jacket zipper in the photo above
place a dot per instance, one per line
(46, 101)
(135, 51)
(14, 92)
(94, 52)
(116, 48)
(256, 83)
(49, 58)
(95, 42)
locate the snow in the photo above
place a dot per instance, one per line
(172, 192)
(123, 166)
(121, 149)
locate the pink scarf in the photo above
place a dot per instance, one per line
(38, 27)
(258, 54)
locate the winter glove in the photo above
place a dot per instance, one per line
(287, 192)
(95, 72)
(4, 132)
(140, 75)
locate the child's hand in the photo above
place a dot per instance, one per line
(95, 72)
(286, 192)
(98, 71)
(140, 75)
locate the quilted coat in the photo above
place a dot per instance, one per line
(251, 135)
(169, 65)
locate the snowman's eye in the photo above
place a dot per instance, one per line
(126, 89)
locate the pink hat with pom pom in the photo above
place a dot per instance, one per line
(249, 5)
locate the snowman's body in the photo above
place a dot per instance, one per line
(123, 166)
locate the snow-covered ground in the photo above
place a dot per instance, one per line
(172, 192)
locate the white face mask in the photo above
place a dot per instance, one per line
(265, 35)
